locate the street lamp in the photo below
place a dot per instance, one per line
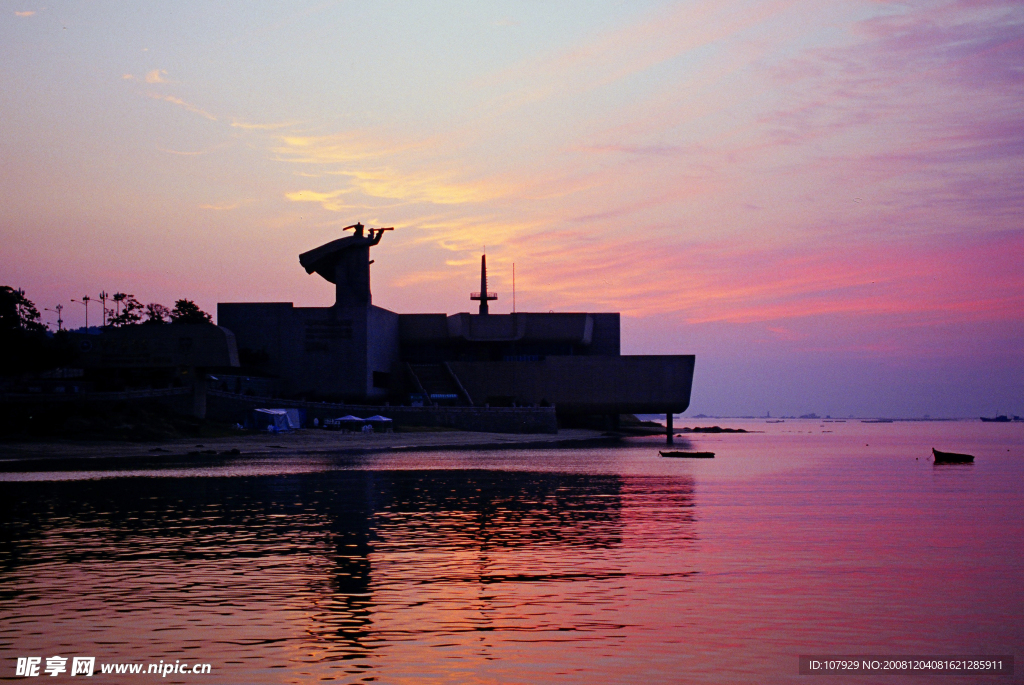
(85, 300)
(60, 321)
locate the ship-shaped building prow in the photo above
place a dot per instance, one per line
(359, 353)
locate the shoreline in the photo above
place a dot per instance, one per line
(299, 443)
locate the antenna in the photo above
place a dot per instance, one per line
(513, 287)
(60, 321)
(484, 295)
(103, 300)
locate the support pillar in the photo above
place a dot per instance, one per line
(668, 428)
(199, 395)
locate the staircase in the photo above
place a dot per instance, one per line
(439, 383)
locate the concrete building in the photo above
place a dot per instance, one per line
(359, 353)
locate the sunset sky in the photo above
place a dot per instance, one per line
(822, 200)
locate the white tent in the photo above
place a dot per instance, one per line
(379, 423)
(277, 419)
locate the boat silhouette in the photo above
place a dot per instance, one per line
(687, 455)
(952, 457)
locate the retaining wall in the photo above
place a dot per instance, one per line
(232, 408)
(177, 400)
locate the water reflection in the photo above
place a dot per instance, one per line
(294, 574)
(561, 566)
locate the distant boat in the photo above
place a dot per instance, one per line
(951, 457)
(688, 455)
(1002, 418)
(877, 421)
(776, 421)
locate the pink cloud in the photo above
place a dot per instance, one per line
(926, 282)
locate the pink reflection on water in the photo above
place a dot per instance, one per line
(601, 566)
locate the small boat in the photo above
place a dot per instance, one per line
(952, 457)
(1002, 418)
(688, 455)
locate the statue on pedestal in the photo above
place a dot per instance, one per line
(346, 263)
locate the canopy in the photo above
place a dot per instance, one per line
(350, 418)
(378, 417)
(280, 419)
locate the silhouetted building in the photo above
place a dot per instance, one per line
(356, 352)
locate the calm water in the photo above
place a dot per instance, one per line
(596, 566)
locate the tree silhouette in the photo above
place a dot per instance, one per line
(17, 313)
(187, 311)
(129, 311)
(157, 313)
(25, 345)
(118, 298)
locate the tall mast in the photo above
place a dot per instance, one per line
(483, 295)
(483, 283)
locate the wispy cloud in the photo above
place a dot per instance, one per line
(26, 13)
(429, 187)
(467, 234)
(414, 187)
(348, 146)
(389, 168)
(624, 52)
(156, 76)
(262, 127)
(938, 281)
(329, 201)
(903, 67)
(181, 103)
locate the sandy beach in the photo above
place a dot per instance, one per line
(310, 441)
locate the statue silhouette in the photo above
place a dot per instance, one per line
(345, 262)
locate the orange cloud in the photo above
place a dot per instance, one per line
(338, 148)
(328, 201)
(421, 187)
(155, 76)
(467, 235)
(27, 13)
